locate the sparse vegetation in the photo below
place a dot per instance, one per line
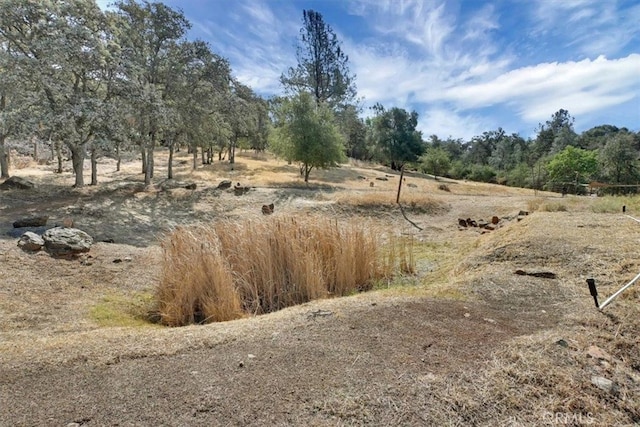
(226, 270)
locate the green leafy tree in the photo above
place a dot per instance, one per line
(306, 133)
(322, 68)
(557, 131)
(619, 159)
(150, 32)
(394, 132)
(355, 133)
(63, 47)
(572, 165)
(435, 160)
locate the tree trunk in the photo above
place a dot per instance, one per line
(143, 154)
(94, 166)
(59, 156)
(118, 157)
(232, 150)
(4, 158)
(204, 160)
(194, 152)
(170, 165)
(35, 150)
(307, 171)
(147, 172)
(77, 159)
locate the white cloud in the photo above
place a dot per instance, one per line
(445, 122)
(590, 27)
(536, 92)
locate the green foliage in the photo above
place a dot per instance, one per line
(619, 160)
(394, 132)
(572, 165)
(322, 68)
(482, 173)
(558, 130)
(436, 161)
(306, 132)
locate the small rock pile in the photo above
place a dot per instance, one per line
(495, 223)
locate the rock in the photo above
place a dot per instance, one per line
(412, 185)
(382, 179)
(604, 384)
(362, 177)
(61, 241)
(224, 185)
(489, 227)
(17, 183)
(267, 209)
(482, 223)
(471, 223)
(495, 220)
(170, 184)
(239, 190)
(36, 221)
(598, 353)
(562, 343)
(371, 184)
(523, 213)
(30, 242)
(462, 222)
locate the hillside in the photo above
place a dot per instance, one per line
(465, 341)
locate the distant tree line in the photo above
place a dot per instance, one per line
(127, 79)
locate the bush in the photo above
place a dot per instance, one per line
(225, 271)
(482, 173)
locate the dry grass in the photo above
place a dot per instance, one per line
(385, 200)
(545, 377)
(221, 272)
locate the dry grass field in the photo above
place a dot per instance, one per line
(463, 341)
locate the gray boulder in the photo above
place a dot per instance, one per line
(62, 241)
(18, 183)
(31, 242)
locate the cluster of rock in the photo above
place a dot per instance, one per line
(267, 209)
(238, 189)
(57, 241)
(483, 225)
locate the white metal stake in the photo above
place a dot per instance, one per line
(621, 290)
(635, 219)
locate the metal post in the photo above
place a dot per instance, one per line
(593, 291)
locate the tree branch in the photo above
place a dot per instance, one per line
(405, 217)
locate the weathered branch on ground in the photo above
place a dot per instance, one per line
(405, 217)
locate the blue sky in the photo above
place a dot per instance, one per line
(466, 66)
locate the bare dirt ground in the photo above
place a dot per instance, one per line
(464, 342)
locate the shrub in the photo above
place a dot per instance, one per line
(227, 270)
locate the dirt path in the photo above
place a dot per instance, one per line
(371, 360)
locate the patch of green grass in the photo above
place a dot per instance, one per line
(614, 204)
(123, 310)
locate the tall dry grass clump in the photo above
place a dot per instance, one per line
(226, 270)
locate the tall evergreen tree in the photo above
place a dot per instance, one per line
(322, 68)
